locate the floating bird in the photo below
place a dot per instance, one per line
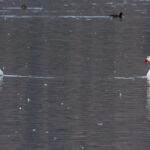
(148, 74)
(24, 7)
(117, 16)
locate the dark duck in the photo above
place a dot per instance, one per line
(117, 16)
(24, 7)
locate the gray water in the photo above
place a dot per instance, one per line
(74, 77)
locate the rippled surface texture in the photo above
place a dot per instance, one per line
(74, 77)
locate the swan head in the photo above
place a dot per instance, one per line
(147, 59)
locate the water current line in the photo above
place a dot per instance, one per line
(130, 78)
(53, 17)
(28, 76)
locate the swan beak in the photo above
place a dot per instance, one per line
(145, 60)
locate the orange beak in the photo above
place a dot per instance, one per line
(145, 60)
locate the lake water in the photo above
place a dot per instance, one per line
(74, 77)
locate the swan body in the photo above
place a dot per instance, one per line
(148, 74)
(1, 73)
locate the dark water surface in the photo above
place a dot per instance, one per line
(82, 105)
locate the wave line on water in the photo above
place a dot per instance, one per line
(54, 17)
(15, 8)
(28, 76)
(86, 17)
(130, 78)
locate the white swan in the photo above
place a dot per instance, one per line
(148, 74)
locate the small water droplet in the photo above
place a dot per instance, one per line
(68, 108)
(54, 138)
(16, 131)
(28, 100)
(46, 132)
(100, 123)
(93, 3)
(65, 5)
(120, 94)
(34, 130)
(61, 103)
(45, 84)
(82, 147)
(20, 108)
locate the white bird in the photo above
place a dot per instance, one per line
(148, 90)
(148, 74)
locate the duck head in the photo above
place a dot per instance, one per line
(147, 59)
(120, 14)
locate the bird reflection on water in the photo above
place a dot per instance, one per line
(148, 100)
(1, 82)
